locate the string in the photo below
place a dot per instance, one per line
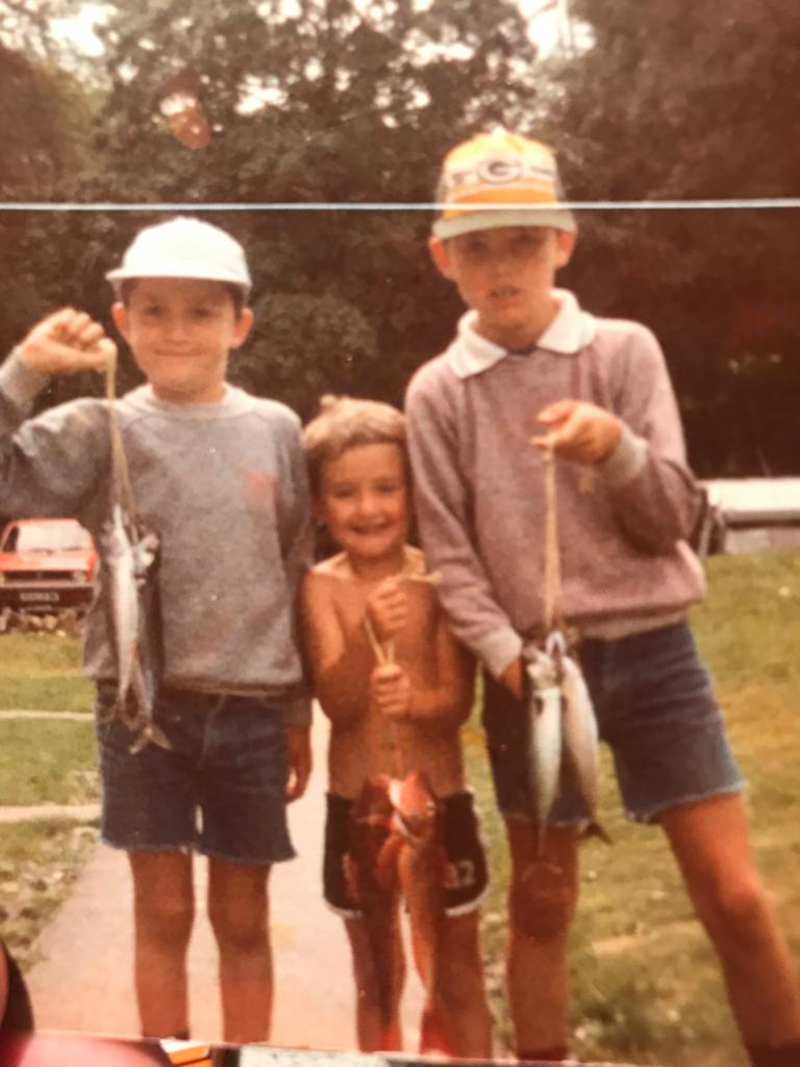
(552, 559)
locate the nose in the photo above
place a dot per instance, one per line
(366, 504)
(176, 327)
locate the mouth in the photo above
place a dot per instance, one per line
(373, 529)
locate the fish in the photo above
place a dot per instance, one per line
(544, 734)
(371, 869)
(130, 559)
(581, 740)
(422, 870)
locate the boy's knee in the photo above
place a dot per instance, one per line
(170, 918)
(236, 926)
(734, 907)
(542, 908)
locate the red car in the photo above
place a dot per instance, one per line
(46, 564)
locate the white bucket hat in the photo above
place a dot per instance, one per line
(184, 248)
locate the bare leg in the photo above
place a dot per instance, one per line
(163, 904)
(542, 900)
(462, 986)
(237, 909)
(710, 842)
(372, 1037)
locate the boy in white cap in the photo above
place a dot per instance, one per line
(530, 372)
(219, 476)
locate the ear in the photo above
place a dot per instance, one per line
(242, 328)
(565, 245)
(441, 257)
(119, 313)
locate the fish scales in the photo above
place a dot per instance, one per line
(130, 558)
(422, 867)
(372, 878)
(544, 743)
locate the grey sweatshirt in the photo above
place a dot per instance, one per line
(223, 485)
(480, 485)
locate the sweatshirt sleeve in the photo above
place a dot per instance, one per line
(49, 465)
(653, 493)
(295, 530)
(443, 509)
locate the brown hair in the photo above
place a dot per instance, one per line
(345, 422)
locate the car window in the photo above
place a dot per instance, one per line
(47, 537)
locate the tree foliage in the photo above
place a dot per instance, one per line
(691, 100)
(351, 103)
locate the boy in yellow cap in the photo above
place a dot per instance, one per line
(529, 374)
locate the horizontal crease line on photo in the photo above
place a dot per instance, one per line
(573, 205)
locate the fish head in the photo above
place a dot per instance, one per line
(415, 804)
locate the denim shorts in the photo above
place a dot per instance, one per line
(220, 789)
(656, 710)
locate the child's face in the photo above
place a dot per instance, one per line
(506, 275)
(180, 331)
(363, 499)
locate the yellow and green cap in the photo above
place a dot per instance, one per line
(500, 179)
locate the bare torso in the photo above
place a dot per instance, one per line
(366, 741)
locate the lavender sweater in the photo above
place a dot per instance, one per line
(480, 485)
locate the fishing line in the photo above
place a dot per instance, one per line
(552, 558)
(122, 489)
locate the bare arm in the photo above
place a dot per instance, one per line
(341, 662)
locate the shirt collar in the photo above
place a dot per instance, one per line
(571, 330)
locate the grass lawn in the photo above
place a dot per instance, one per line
(47, 761)
(43, 672)
(42, 760)
(645, 983)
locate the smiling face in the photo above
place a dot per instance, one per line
(363, 499)
(506, 274)
(180, 331)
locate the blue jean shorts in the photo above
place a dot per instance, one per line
(656, 710)
(220, 789)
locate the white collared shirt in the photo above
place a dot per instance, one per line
(570, 331)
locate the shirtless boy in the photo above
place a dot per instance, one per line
(389, 718)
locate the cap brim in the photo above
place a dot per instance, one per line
(471, 221)
(176, 270)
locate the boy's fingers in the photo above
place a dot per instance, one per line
(66, 342)
(386, 674)
(557, 411)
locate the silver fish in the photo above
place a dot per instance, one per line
(130, 559)
(544, 735)
(581, 738)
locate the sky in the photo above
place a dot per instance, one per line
(549, 25)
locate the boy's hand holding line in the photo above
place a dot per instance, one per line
(390, 690)
(387, 609)
(66, 342)
(582, 432)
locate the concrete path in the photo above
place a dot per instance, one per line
(84, 979)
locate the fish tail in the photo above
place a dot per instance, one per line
(150, 733)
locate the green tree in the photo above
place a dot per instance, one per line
(333, 103)
(693, 100)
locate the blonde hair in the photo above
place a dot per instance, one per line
(345, 422)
